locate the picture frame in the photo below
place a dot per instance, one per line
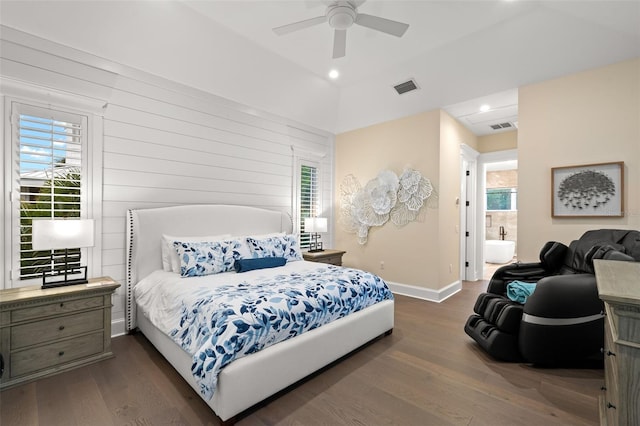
(591, 190)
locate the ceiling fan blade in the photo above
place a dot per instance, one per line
(339, 44)
(289, 28)
(381, 24)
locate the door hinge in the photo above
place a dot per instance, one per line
(466, 203)
(466, 264)
(468, 173)
(466, 234)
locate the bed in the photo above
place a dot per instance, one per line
(250, 379)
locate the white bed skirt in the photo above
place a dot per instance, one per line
(249, 380)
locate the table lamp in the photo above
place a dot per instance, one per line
(314, 225)
(57, 234)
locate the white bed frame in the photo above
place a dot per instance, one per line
(249, 380)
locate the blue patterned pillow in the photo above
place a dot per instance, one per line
(240, 249)
(204, 258)
(282, 246)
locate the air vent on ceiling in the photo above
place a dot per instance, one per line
(405, 87)
(499, 126)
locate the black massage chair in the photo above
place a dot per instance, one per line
(562, 322)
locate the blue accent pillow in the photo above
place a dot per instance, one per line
(204, 258)
(244, 265)
(281, 246)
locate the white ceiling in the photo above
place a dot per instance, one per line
(462, 54)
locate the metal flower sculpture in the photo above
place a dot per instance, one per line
(414, 189)
(382, 198)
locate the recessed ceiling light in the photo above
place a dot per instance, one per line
(485, 108)
(333, 74)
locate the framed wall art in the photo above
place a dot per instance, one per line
(592, 190)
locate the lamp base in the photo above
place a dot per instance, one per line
(315, 247)
(70, 277)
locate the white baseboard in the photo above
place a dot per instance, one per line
(118, 327)
(425, 293)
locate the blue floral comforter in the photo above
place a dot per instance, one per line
(231, 321)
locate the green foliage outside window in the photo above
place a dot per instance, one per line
(501, 199)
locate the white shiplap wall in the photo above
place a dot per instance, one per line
(167, 144)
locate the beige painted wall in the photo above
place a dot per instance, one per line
(498, 142)
(585, 118)
(417, 254)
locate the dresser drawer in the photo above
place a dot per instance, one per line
(56, 353)
(57, 308)
(56, 328)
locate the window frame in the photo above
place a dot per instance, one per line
(513, 198)
(307, 160)
(30, 98)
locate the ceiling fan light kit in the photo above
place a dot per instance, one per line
(341, 15)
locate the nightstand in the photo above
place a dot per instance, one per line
(47, 331)
(332, 257)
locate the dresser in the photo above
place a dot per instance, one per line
(332, 257)
(619, 288)
(47, 331)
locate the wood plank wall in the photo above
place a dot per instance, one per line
(167, 144)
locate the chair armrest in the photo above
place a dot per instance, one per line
(565, 296)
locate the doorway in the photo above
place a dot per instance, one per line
(497, 209)
(473, 207)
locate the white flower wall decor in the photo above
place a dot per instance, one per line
(386, 197)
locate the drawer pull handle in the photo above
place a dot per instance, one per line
(62, 305)
(610, 405)
(61, 328)
(603, 388)
(60, 353)
(609, 353)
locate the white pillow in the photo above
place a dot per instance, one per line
(170, 259)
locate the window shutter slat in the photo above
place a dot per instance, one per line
(309, 199)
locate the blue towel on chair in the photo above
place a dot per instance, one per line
(518, 291)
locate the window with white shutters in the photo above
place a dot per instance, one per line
(49, 169)
(309, 198)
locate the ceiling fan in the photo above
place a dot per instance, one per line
(341, 15)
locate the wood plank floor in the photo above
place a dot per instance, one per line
(428, 372)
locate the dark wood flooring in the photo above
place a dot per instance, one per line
(428, 372)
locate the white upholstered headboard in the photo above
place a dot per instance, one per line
(145, 228)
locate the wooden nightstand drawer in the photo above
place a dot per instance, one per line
(56, 309)
(38, 358)
(331, 257)
(56, 328)
(333, 260)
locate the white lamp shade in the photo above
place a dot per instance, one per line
(61, 234)
(315, 224)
